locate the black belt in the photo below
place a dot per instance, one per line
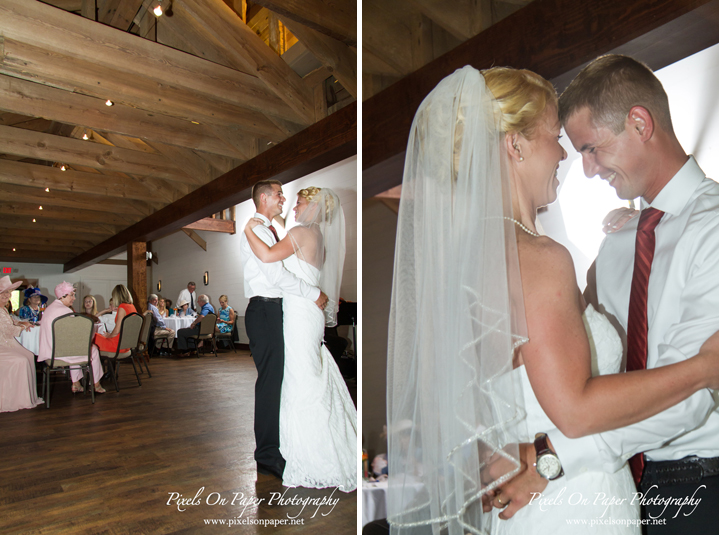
(687, 470)
(277, 300)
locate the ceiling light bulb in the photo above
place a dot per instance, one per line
(41, 208)
(34, 221)
(47, 189)
(108, 102)
(63, 168)
(157, 11)
(85, 137)
(13, 249)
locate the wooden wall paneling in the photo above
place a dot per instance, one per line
(550, 37)
(322, 144)
(336, 19)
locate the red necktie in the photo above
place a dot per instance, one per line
(637, 325)
(274, 232)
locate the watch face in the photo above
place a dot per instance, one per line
(548, 466)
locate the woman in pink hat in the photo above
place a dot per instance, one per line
(18, 386)
(65, 294)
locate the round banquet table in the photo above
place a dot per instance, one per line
(175, 323)
(374, 501)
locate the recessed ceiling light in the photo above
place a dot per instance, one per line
(34, 221)
(41, 208)
(13, 249)
(85, 137)
(109, 103)
(47, 189)
(63, 168)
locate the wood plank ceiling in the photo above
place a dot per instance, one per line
(195, 93)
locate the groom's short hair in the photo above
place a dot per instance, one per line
(610, 86)
(263, 186)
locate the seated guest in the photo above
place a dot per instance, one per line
(18, 388)
(89, 305)
(183, 334)
(168, 306)
(121, 296)
(65, 294)
(189, 295)
(107, 317)
(161, 307)
(33, 307)
(226, 321)
(161, 330)
(184, 309)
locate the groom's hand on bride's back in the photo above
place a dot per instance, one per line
(321, 300)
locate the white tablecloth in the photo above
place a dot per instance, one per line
(374, 501)
(30, 340)
(175, 323)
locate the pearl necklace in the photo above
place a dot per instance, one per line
(525, 229)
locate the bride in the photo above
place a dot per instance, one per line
(318, 421)
(489, 338)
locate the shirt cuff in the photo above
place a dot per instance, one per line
(577, 455)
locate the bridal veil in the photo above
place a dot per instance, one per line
(456, 317)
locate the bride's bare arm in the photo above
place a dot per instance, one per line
(557, 356)
(279, 251)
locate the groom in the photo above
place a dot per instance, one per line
(264, 286)
(659, 278)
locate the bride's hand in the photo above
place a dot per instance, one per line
(617, 218)
(253, 222)
(710, 349)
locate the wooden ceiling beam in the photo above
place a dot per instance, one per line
(465, 20)
(74, 200)
(41, 176)
(28, 98)
(336, 19)
(213, 225)
(322, 144)
(29, 237)
(340, 59)
(37, 257)
(551, 37)
(30, 210)
(54, 29)
(243, 45)
(47, 67)
(42, 225)
(50, 248)
(78, 152)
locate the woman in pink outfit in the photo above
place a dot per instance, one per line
(65, 294)
(18, 386)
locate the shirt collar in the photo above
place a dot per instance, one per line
(676, 194)
(263, 218)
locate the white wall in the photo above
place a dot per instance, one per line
(97, 280)
(181, 260)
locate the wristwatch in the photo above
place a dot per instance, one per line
(547, 464)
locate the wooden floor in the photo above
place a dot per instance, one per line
(110, 468)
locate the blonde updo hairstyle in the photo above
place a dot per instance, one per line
(522, 97)
(309, 194)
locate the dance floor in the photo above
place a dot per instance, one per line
(115, 467)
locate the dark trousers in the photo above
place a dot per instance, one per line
(184, 334)
(687, 519)
(263, 322)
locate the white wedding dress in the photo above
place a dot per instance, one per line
(565, 511)
(318, 420)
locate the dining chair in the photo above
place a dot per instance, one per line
(230, 336)
(128, 340)
(71, 337)
(142, 351)
(207, 333)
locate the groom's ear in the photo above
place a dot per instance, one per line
(641, 123)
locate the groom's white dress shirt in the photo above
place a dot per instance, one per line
(270, 279)
(682, 312)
